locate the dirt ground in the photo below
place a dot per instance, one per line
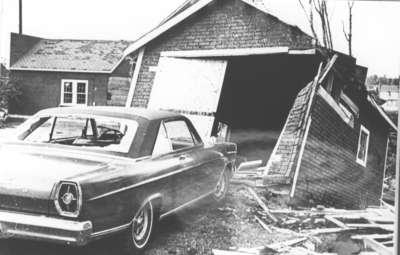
(196, 230)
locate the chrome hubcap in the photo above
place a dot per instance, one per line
(140, 227)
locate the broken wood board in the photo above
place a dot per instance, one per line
(262, 223)
(378, 247)
(262, 204)
(336, 222)
(320, 231)
(250, 165)
(372, 236)
(223, 252)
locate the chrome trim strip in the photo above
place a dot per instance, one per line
(43, 221)
(185, 205)
(40, 236)
(149, 180)
(110, 230)
(40, 227)
(125, 226)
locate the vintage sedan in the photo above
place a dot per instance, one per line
(72, 175)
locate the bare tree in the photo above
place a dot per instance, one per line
(320, 7)
(310, 17)
(349, 35)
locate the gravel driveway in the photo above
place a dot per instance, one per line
(196, 230)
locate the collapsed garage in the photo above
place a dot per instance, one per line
(257, 95)
(245, 75)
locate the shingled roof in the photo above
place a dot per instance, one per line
(72, 56)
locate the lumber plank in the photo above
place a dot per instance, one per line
(378, 247)
(223, 252)
(249, 165)
(372, 236)
(262, 223)
(319, 231)
(387, 227)
(336, 221)
(262, 204)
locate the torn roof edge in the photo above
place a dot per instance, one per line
(382, 113)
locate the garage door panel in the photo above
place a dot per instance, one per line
(189, 86)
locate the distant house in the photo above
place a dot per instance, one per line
(53, 72)
(390, 94)
(241, 64)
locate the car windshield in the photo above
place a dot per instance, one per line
(98, 132)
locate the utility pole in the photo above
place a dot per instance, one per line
(397, 194)
(1, 31)
(20, 17)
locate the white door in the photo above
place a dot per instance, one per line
(191, 87)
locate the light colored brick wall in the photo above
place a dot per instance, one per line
(224, 24)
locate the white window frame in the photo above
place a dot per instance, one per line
(74, 91)
(360, 161)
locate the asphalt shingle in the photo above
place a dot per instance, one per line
(73, 55)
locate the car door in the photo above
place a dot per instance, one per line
(198, 164)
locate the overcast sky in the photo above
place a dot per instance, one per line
(376, 24)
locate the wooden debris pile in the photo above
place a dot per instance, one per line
(249, 173)
(371, 228)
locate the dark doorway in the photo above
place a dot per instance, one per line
(256, 97)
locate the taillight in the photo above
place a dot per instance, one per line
(68, 199)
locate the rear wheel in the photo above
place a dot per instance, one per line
(222, 187)
(138, 236)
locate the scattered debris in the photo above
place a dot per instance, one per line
(249, 173)
(262, 223)
(262, 204)
(368, 231)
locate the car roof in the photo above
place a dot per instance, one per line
(112, 111)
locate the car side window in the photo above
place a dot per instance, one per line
(179, 134)
(163, 144)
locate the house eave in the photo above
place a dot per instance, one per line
(382, 113)
(236, 52)
(166, 26)
(58, 70)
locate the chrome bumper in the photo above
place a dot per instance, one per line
(43, 228)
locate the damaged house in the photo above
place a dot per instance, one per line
(54, 72)
(244, 74)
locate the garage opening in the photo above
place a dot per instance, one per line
(256, 97)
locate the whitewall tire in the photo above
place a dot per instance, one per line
(140, 232)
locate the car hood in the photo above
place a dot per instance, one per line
(30, 173)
